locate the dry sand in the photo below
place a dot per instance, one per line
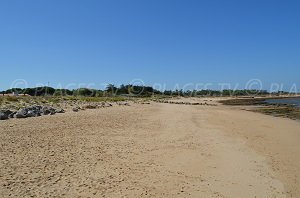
(157, 150)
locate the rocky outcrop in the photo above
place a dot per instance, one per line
(4, 114)
(33, 111)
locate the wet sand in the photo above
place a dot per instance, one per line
(156, 150)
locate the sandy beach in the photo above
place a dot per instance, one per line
(154, 150)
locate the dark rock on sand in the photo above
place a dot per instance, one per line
(75, 109)
(59, 110)
(4, 114)
(45, 111)
(12, 114)
(32, 113)
(90, 106)
(36, 111)
(21, 113)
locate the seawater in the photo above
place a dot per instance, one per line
(292, 101)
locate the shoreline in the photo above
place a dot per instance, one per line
(260, 105)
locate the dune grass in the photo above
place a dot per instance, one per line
(56, 99)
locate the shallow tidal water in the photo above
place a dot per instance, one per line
(292, 101)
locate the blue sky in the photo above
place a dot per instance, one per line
(170, 42)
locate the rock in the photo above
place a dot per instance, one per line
(106, 105)
(12, 114)
(59, 110)
(90, 106)
(34, 108)
(30, 114)
(4, 114)
(33, 113)
(75, 109)
(21, 113)
(123, 103)
(52, 111)
(45, 111)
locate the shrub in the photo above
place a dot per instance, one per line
(12, 99)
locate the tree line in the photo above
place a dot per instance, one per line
(130, 90)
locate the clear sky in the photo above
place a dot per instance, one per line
(159, 41)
